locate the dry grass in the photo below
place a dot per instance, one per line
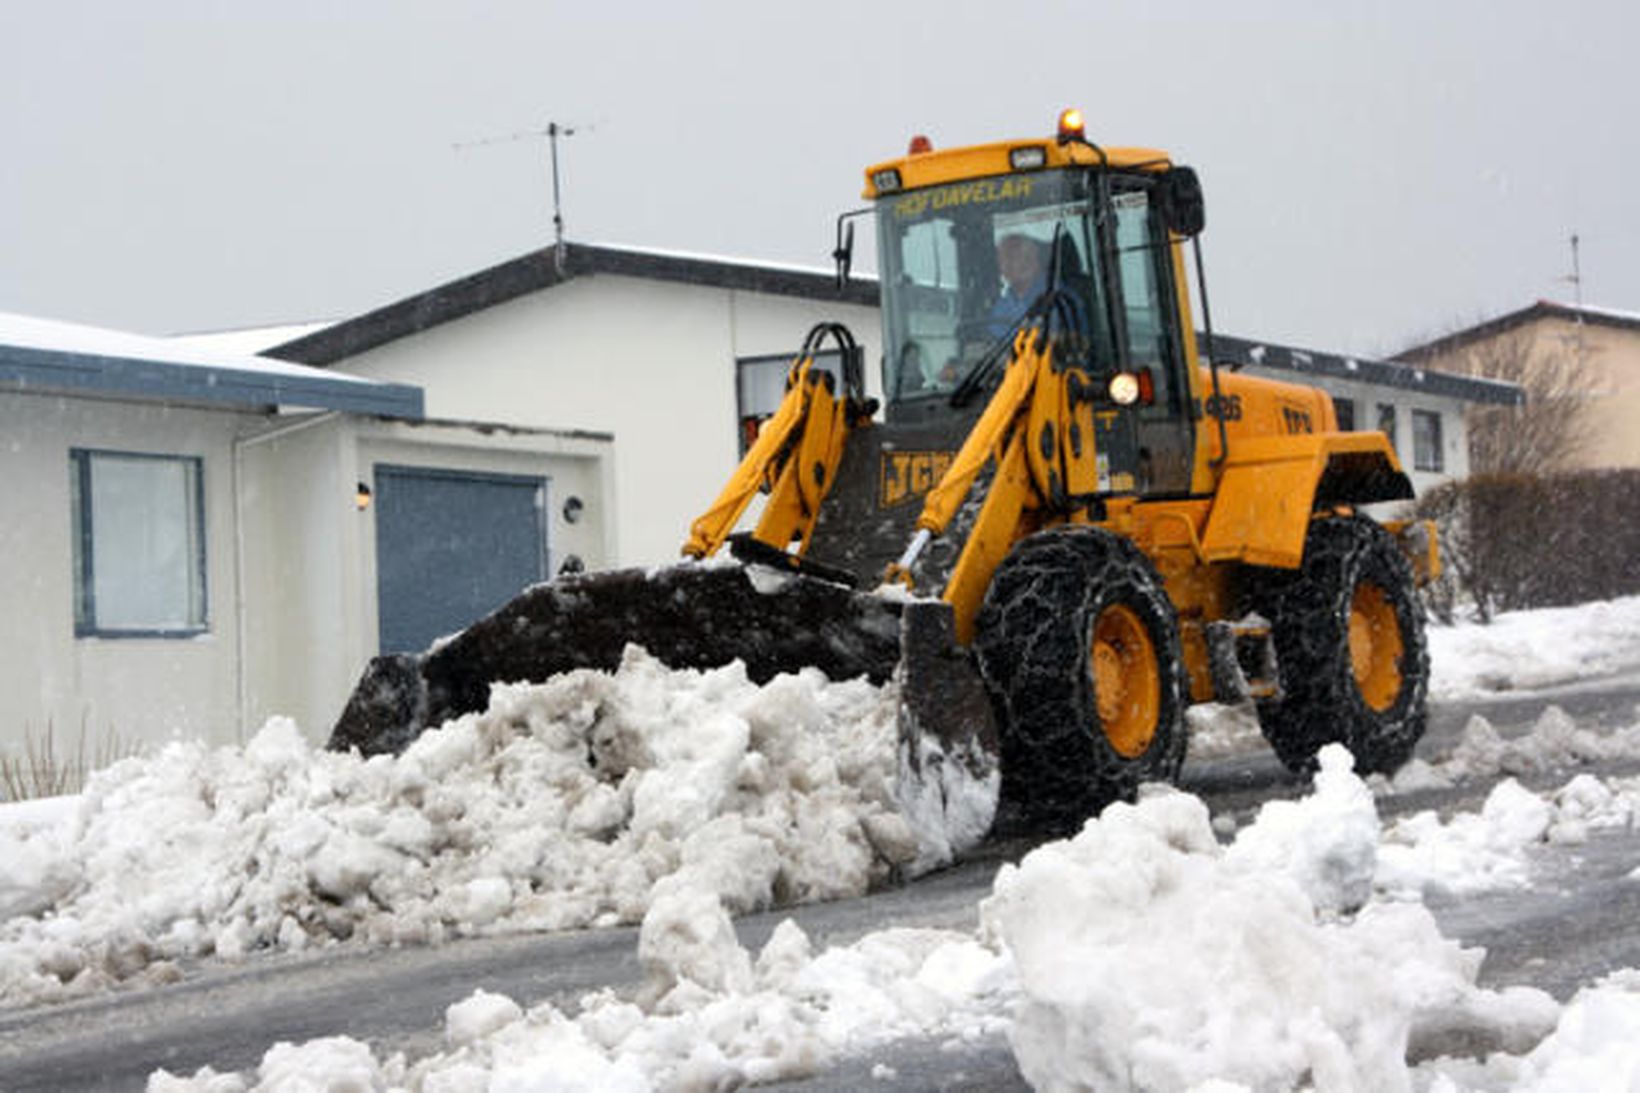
(43, 770)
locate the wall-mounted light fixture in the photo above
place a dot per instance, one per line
(572, 510)
(361, 499)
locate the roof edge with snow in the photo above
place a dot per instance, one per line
(41, 370)
(537, 270)
(1536, 312)
(1239, 352)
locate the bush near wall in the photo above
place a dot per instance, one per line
(1517, 541)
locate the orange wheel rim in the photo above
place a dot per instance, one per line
(1126, 681)
(1375, 646)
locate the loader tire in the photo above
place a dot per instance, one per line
(1079, 647)
(1350, 650)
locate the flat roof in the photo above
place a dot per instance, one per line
(48, 356)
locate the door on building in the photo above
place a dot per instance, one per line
(452, 546)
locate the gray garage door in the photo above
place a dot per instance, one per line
(452, 546)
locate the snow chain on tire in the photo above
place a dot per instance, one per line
(1065, 607)
(1367, 693)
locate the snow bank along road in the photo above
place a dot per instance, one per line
(1540, 878)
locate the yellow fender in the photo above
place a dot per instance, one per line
(1270, 486)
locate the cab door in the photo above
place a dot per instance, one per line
(1149, 328)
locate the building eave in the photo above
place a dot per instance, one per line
(51, 371)
(539, 270)
(1241, 352)
(1540, 311)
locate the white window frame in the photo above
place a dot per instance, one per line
(192, 616)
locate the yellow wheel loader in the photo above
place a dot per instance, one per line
(1071, 526)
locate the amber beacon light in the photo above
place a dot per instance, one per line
(1071, 126)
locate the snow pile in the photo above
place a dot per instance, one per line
(1593, 1046)
(566, 804)
(1140, 954)
(34, 871)
(1554, 742)
(1521, 650)
(709, 1016)
(1151, 958)
(1423, 855)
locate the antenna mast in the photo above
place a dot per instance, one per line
(552, 132)
(1577, 295)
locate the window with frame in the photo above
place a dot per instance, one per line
(1426, 441)
(760, 386)
(1344, 410)
(139, 544)
(1386, 422)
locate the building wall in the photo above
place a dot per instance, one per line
(651, 361)
(310, 552)
(290, 563)
(143, 689)
(1611, 367)
(1611, 364)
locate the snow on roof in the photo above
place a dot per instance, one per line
(48, 354)
(248, 339)
(1601, 312)
(733, 260)
(26, 331)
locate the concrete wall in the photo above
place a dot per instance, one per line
(141, 688)
(653, 362)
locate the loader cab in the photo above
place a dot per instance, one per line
(969, 238)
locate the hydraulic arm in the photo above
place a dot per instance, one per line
(794, 459)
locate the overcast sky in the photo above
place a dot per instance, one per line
(1376, 173)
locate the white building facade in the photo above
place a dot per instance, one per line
(192, 539)
(648, 347)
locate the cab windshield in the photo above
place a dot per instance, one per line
(961, 263)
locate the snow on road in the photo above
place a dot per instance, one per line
(1299, 952)
(1523, 650)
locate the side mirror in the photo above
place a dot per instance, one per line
(1183, 209)
(843, 255)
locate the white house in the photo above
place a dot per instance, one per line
(195, 540)
(667, 352)
(672, 353)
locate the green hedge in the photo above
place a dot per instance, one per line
(1514, 541)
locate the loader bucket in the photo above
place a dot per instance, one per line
(705, 615)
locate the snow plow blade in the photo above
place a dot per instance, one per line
(705, 616)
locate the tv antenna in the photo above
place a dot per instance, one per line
(552, 132)
(1576, 279)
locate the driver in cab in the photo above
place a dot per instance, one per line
(1023, 264)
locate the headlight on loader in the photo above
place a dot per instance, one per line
(1124, 389)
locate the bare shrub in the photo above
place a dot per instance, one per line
(1546, 434)
(42, 771)
(1512, 541)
